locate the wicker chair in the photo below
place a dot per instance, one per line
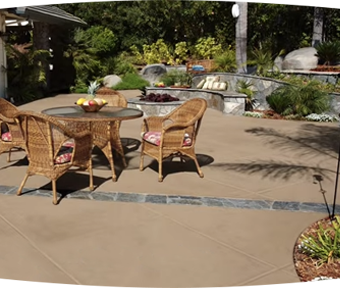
(53, 149)
(173, 135)
(100, 130)
(11, 137)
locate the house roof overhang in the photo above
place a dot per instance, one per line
(47, 14)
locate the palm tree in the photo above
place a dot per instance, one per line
(317, 26)
(241, 38)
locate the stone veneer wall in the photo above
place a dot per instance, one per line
(153, 108)
(265, 86)
(227, 102)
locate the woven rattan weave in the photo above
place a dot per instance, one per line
(8, 125)
(184, 120)
(45, 137)
(100, 129)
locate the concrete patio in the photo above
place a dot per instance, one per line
(237, 226)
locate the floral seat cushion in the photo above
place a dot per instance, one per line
(65, 153)
(154, 137)
(6, 137)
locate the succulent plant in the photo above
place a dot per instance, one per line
(92, 89)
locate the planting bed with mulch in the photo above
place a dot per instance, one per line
(306, 267)
(325, 68)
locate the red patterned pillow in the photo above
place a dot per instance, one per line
(63, 158)
(154, 137)
(6, 137)
(65, 153)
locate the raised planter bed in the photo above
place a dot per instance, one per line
(228, 102)
(153, 108)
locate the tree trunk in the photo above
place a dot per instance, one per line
(241, 38)
(317, 27)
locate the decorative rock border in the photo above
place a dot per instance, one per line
(153, 108)
(228, 102)
(265, 86)
(177, 200)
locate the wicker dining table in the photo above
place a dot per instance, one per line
(101, 124)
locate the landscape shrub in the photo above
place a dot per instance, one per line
(131, 81)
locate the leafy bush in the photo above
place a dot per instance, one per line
(175, 76)
(25, 72)
(281, 100)
(130, 82)
(324, 245)
(181, 52)
(157, 52)
(328, 52)
(207, 48)
(121, 66)
(301, 100)
(311, 99)
(226, 62)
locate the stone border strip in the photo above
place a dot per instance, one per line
(178, 200)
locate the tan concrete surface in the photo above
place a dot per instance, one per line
(128, 244)
(250, 158)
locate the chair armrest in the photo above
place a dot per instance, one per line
(7, 120)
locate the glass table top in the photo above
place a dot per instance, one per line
(106, 113)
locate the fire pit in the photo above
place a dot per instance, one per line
(155, 104)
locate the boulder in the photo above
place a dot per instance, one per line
(111, 80)
(300, 59)
(153, 72)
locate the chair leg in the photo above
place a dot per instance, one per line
(160, 170)
(141, 162)
(22, 184)
(108, 153)
(198, 167)
(54, 190)
(91, 177)
(9, 155)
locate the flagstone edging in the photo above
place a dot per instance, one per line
(178, 200)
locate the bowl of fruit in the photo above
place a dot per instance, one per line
(91, 103)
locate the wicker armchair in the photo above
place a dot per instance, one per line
(11, 137)
(174, 134)
(100, 130)
(52, 148)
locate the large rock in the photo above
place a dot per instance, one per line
(153, 72)
(301, 59)
(111, 80)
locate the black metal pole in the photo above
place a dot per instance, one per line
(336, 182)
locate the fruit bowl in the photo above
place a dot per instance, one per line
(91, 105)
(94, 108)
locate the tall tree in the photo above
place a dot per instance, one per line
(241, 37)
(317, 26)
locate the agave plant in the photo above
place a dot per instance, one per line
(245, 87)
